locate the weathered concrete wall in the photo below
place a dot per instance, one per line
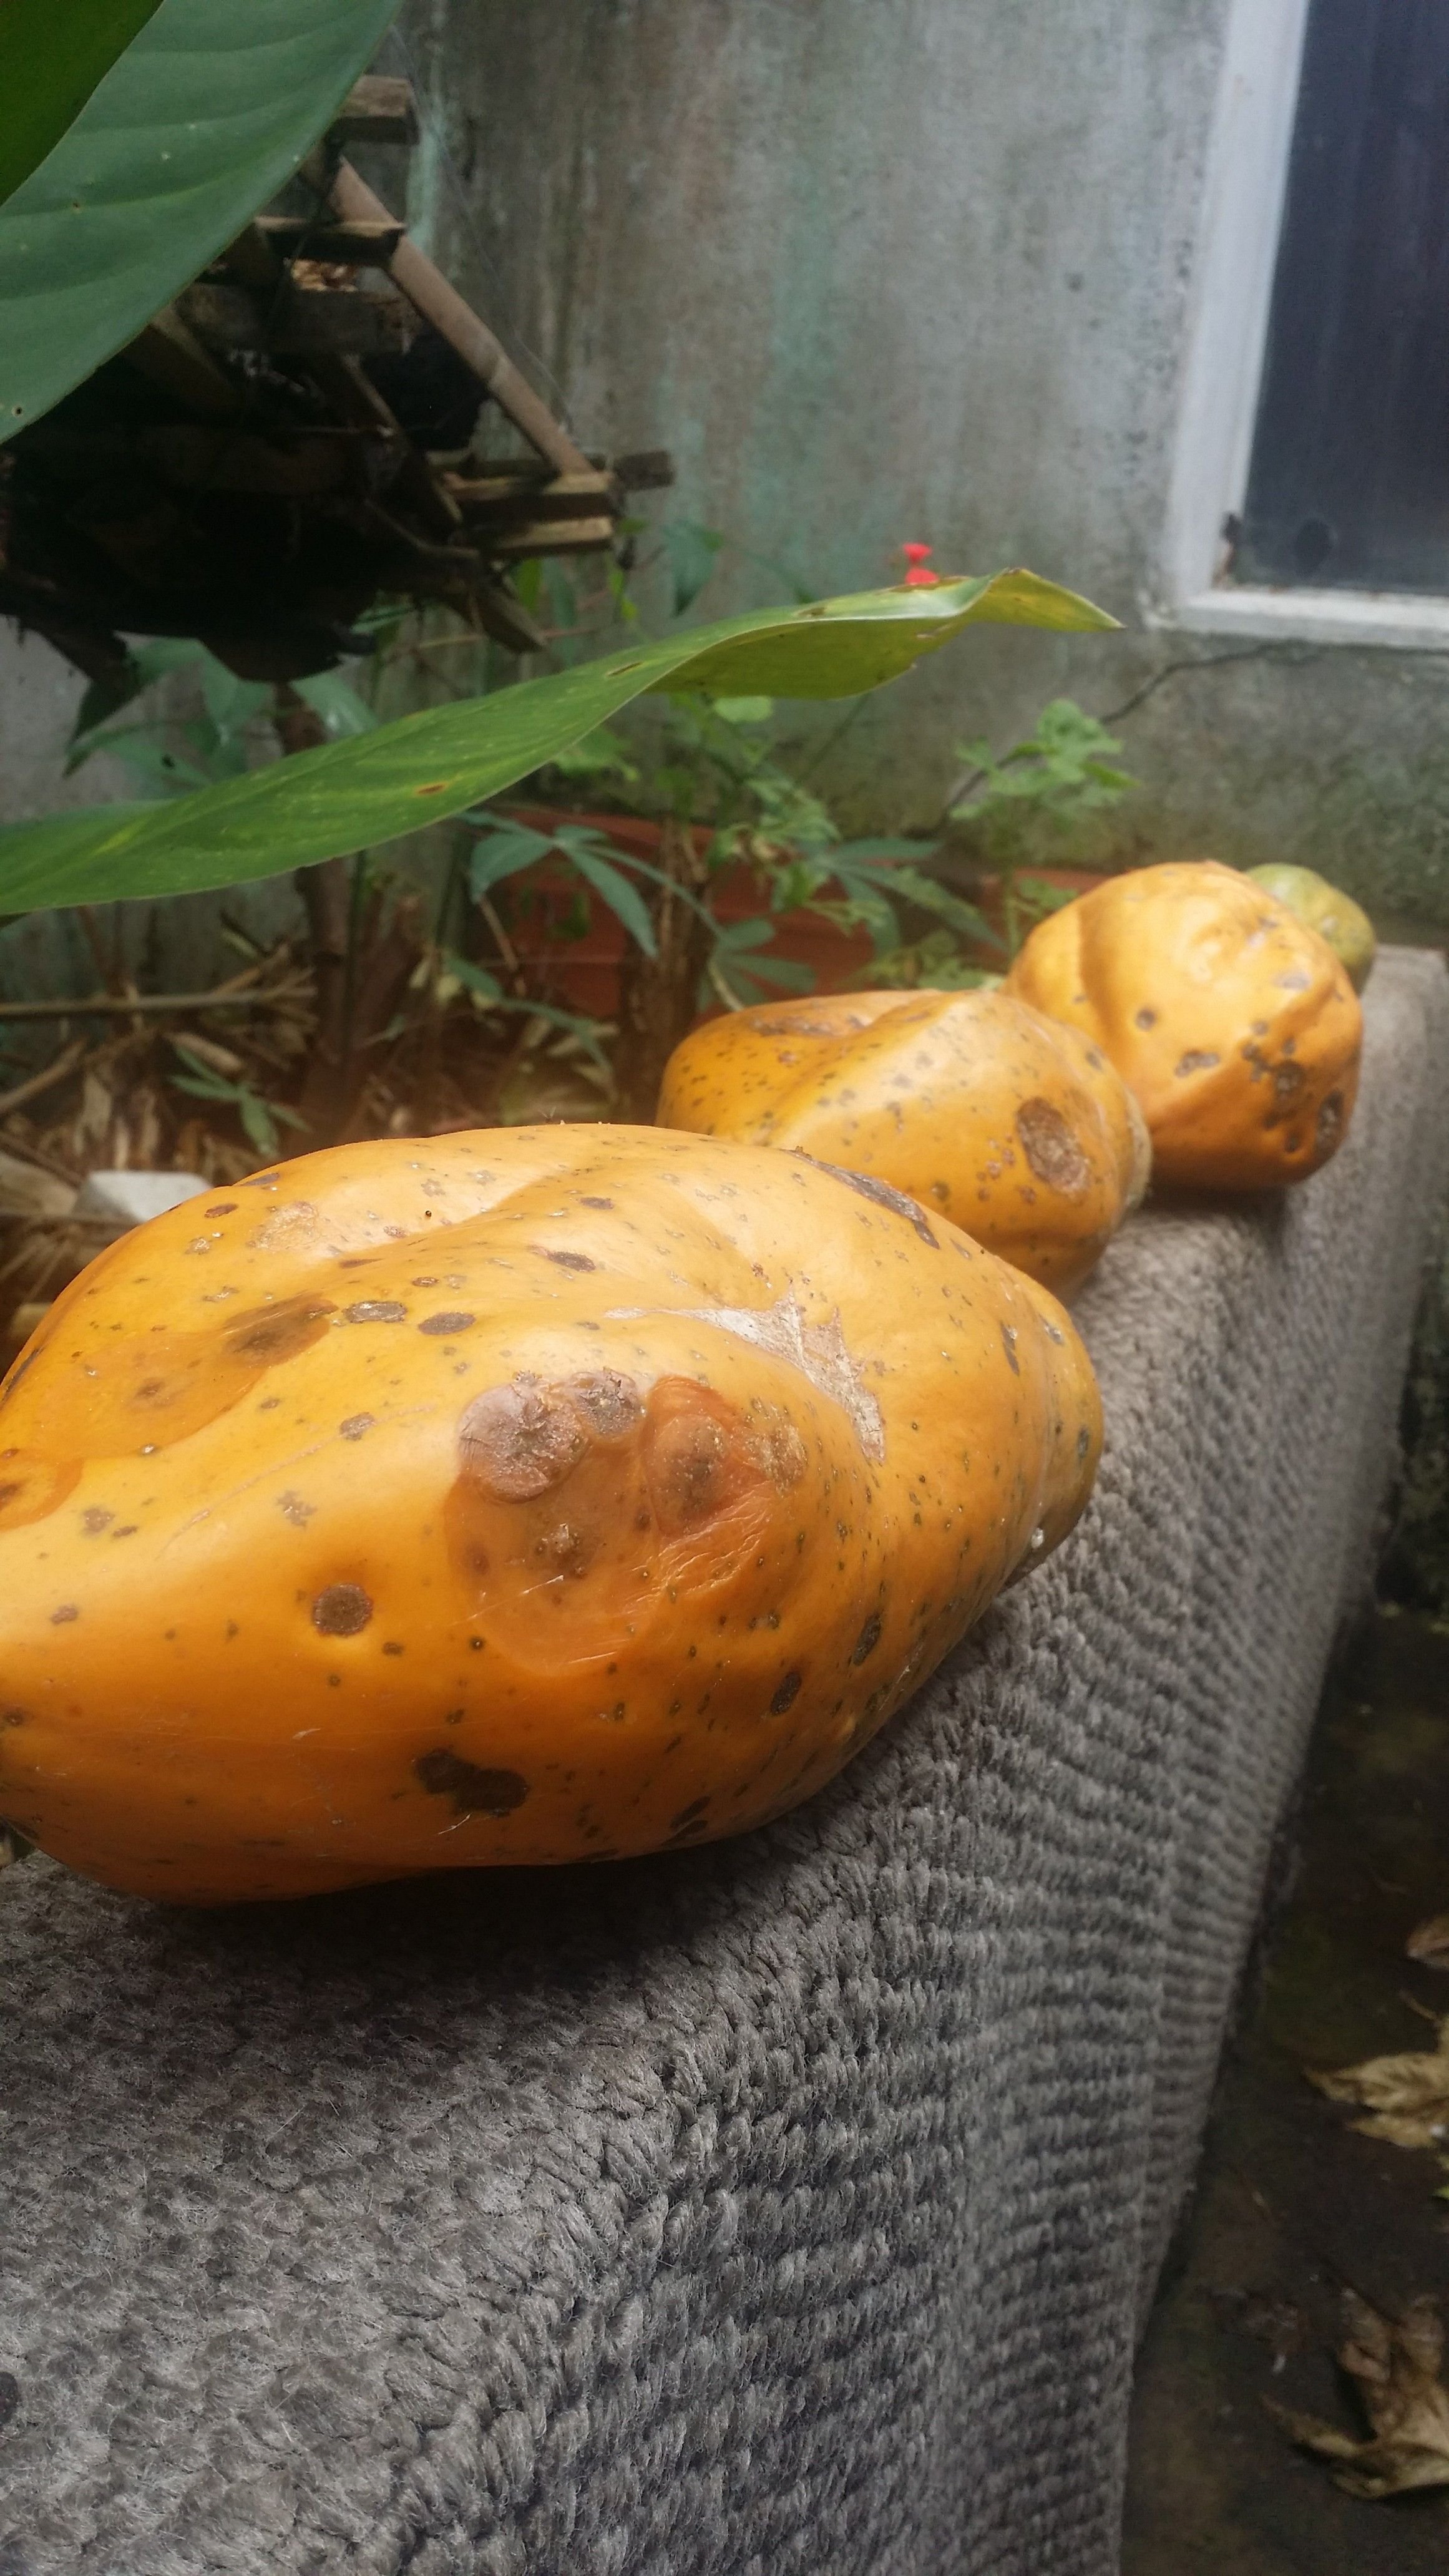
(878, 269)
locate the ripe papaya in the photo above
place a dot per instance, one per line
(1014, 1126)
(533, 1495)
(1232, 1021)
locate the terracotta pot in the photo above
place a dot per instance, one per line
(582, 972)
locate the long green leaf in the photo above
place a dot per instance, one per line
(51, 59)
(354, 795)
(202, 118)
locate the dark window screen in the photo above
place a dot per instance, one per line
(1349, 484)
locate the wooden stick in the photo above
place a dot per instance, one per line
(430, 294)
(121, 1005)
(64, 1063)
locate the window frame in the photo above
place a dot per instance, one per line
(1243, 201)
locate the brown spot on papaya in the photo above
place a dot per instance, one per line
(689, 1815)
(1196, 1060)
(1053, 1151)
(868, 1640)
(565, 1260)
(375, 1310)
(94, 1519)
(473, 1790)
(62, 1617)
(786, 1694)
(355, 1425)
(343, 1610)
(882, 1193)
(1008, 1344)
(596, 1203)
(446, 1323)
(518, 1441)
(13, 1716)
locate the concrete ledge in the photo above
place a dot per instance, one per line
(782, 2209)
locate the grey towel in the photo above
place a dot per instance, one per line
(779, 2209)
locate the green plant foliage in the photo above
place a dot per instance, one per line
(50, 61)
(1038, 791)
(354, 794)
(201, 119)
(259, 1117)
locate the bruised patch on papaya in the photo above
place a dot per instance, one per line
(519, 1441)
(32, 1487)
(700, 1458)
(474, 1790)
(1051, 1147)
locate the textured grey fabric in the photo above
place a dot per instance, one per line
(781, 2209)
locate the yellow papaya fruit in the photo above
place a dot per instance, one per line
(1015, 1127)
(1231, 1020)
(533, 1495)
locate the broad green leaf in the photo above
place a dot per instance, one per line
(355, 795)
(51, 58)
(202, 118)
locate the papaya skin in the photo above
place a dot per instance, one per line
(1233, 1022)
(527, 1496)
(1014, 1126)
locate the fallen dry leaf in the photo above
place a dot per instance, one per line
(1395, 2368)
(1407, 2097)
(1429, 1942)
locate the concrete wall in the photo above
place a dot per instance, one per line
(878, 269)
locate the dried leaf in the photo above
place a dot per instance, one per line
(1395, 2368)
(1407, 2097)
(1430, 1942)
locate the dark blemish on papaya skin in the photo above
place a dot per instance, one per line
(785, 1697)
(1146, 1019)
(883, 1195)
(868, 1640)
(450, 1323)
(343, 1610)
(228, 1207)
(61, 1618)
(565, 1260)
(391, 1649)
(375, 1310)
(474, 1791)
(596, 1203)
(278, 1332)
(13, 1716)
(1008, 1344)
(355, 1425)
(688, 1815)
(455, 1717)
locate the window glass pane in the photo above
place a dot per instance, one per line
(1350, 475)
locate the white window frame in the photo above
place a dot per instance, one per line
(1247, 177)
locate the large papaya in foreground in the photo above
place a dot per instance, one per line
(532, 1495)
(1233, 1022)
(1014, 1126)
